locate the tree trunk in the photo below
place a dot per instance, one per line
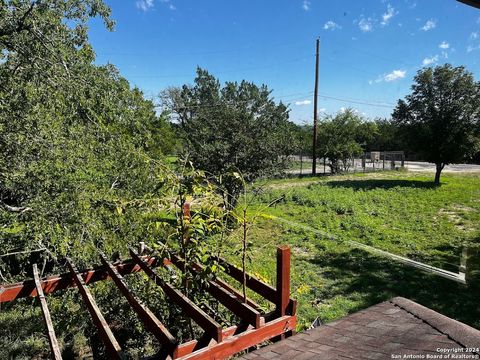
(439, 167)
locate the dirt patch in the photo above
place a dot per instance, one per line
(462, 208)
(454, 216)
(302, 253)
(324, 179)
(287, 185)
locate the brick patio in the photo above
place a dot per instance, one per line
(393, 328)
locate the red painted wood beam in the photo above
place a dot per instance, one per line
(264, 290)
(283, 280)
(52, 338)
(151, 322)
(226, 298)
(236, 343)
(113, 349)
(194, 345)
(206, 322)
(217, 281)
(10, 292)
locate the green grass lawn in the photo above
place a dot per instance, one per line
(400, 212)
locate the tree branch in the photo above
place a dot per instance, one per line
(17, 209)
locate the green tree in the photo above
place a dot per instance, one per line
(79, 146)
(387, 137)
(341, 137)
(81, 165)
(230, 128)
(441, 115)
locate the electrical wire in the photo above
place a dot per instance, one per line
(227, 71)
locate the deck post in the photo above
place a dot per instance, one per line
(283, 280)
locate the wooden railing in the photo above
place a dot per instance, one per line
(254, 328)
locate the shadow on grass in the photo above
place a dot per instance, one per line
(381, 184)
(377, 279)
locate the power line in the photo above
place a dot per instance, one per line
(224, 72)
(357, 101)
(192, 53)
(322, 95)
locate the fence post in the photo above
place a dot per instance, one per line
(283, 279)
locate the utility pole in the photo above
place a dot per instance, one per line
(315, 114)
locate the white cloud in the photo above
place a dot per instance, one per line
(429, 25)
(365, 24)
(303, 102)
(342, 109)
(306, 5)
(394, 75)
(388, 15)
(322, 110)
(474, 35)
(471, 48)
(430, 60)
(445, 54)
(144, 5)
(444, 45)
(331, 25)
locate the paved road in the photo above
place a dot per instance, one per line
(416, 166)
(429, 167)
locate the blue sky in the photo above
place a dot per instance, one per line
(370, 50)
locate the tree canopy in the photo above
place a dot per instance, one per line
(81, 165)
(230, 128)
(77, 141)
(441, 117)
(343, 137)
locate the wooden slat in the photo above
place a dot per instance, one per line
(51, 284)
(52, 339)
(234, 344)
(242, 310)
(151, 322)
(237, 293)
(218, 281)
(113, 348)
(208, 324)
(265, 290)
(194, 345)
